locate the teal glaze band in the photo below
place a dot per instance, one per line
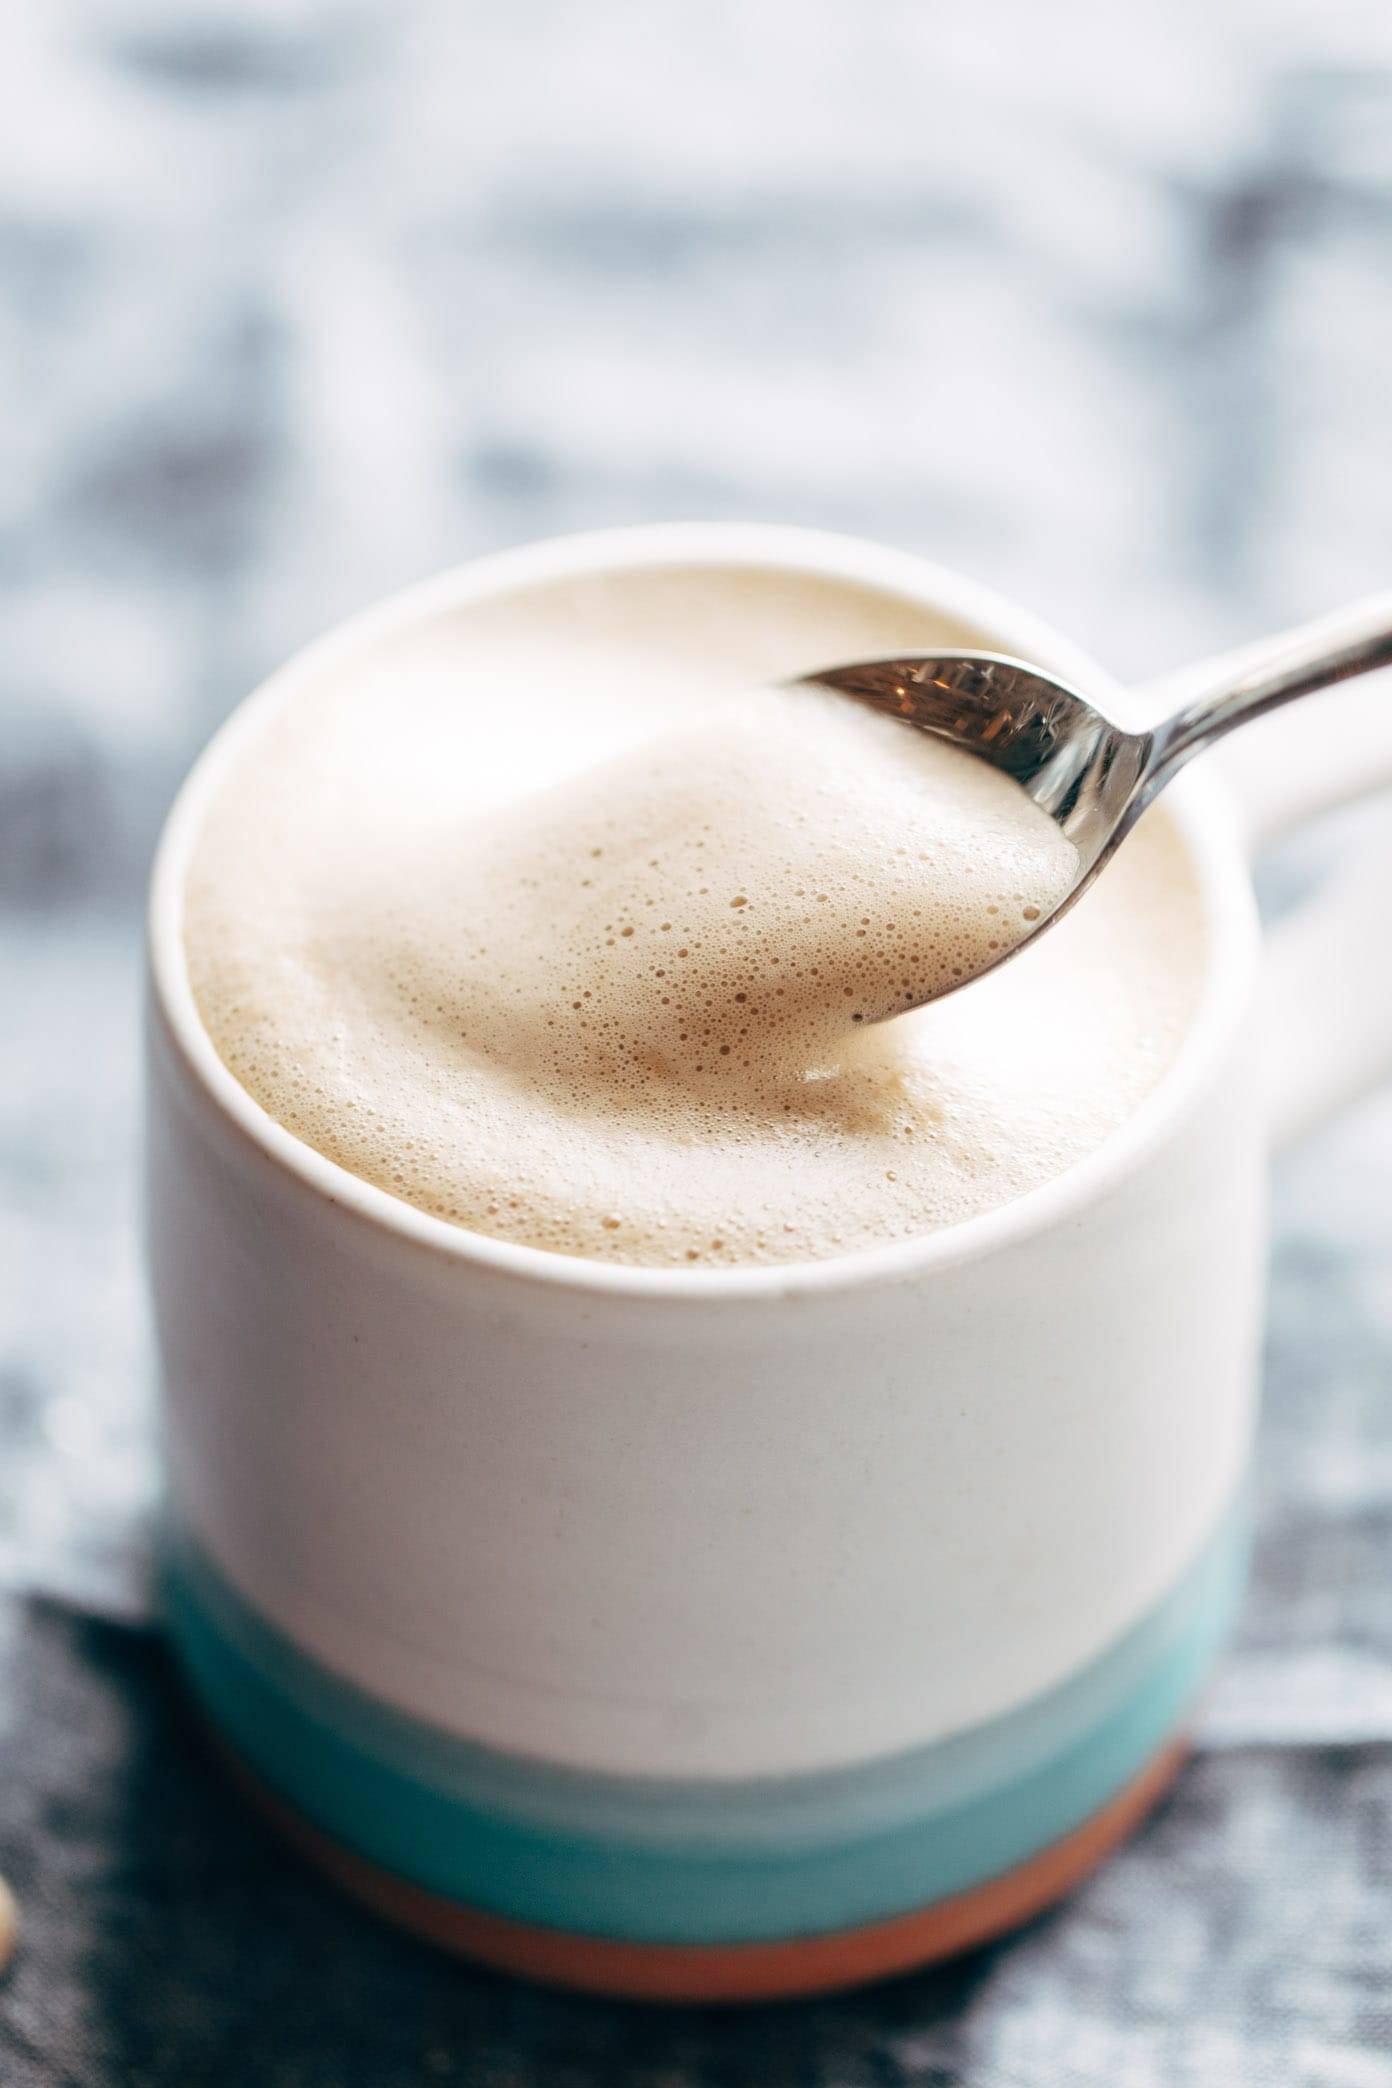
(706, 1863)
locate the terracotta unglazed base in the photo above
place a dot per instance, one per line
(733, 1972)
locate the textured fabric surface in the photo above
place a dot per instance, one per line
(301, 299)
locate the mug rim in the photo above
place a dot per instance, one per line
(1199, 805)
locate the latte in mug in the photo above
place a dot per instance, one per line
(597, 1562)
(557, 919)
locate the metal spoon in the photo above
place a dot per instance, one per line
(1091, 775)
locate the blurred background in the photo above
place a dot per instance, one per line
(301, 300)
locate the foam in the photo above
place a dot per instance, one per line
(549, 919)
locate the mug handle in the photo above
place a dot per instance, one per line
(1326, 994)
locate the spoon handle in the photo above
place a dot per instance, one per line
(1333, 648)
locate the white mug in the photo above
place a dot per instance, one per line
(729, 1633)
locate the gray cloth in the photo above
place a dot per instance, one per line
(301, 300)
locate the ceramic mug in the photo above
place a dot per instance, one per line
(746, 1632)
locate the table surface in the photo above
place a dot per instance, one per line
(300, 300)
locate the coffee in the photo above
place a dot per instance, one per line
(553, 919)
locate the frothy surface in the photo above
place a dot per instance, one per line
(599, 967)
(712, 915)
